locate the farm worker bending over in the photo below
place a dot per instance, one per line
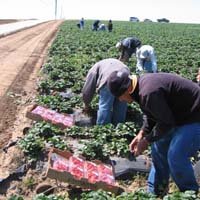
(146, 58)
(102, 27)
(171, 107)
(110, 110)
(95, 25)
(127, 47)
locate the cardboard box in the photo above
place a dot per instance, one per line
(64, 172)
(39, 113)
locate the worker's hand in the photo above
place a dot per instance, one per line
(141, 146)
(87, 109)
(135, 141)
(138, 144)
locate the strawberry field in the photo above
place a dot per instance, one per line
(72, 54)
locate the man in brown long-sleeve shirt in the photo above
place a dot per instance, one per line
(110, 110)
(171, 107)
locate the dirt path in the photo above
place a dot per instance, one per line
(21, 56)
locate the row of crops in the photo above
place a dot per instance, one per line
(72, 54)
(102, 195)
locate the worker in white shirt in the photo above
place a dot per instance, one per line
(146, 59)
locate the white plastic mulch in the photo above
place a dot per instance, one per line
(6, 29)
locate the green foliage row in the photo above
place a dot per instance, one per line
(103, 195)
(100, 142)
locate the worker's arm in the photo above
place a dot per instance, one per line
(148, 123)
(89, 88)
(161, 114)
(163, 122)
(139, 143)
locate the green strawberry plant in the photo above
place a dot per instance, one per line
(15, 197)
(59, 143)
(98, 195)
(50, 197)
(187, 195)
(32, 145)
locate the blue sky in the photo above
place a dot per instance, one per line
(184, 11)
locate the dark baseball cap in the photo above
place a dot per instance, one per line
(118, 82)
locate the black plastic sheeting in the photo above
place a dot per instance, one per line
(19, 172)
(123, 166)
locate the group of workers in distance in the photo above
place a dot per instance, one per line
(170, 106)
(96, 26)
(102, 27)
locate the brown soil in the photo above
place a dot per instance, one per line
(21, 57)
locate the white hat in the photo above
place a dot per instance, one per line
(118, 45)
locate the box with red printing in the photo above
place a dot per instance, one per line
(39, 113)
(77, 171)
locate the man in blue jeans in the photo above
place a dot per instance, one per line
(171, 107)
(111, 110)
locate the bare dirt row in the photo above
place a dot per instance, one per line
(21, 56)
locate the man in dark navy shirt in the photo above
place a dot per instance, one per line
(171, 107)
(127, 47)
